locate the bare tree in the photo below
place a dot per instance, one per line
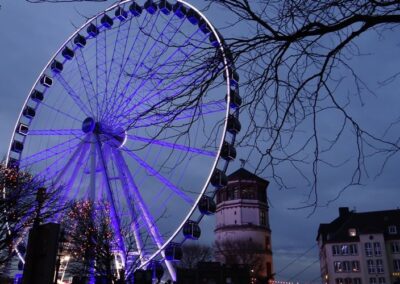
(92, 245)
(237, 251)
(24, 201)
(90, 241)
(193, 254)
(296, 58)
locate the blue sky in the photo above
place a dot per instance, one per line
(31, 33)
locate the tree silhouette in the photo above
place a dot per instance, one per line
(242, 252)
(193, 254)
(24, 201)
(90, 241)
(298, 71)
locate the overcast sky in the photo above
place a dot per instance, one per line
(31, 33)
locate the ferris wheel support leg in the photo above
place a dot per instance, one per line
(72, 179)
(78, 167)
(57, 181)
(92, 181)
(146, 214)
(135, 227)
(114, 217)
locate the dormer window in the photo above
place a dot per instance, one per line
(352, 232)
(392, 230)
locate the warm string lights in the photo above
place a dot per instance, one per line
(89, 233)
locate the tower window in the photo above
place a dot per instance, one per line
(267, 243)
(263, 221)
(392, 230)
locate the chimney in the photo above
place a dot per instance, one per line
(344, 211)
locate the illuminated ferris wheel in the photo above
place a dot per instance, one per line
(139, 107)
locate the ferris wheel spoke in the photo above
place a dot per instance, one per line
(138, 115)
(173, 146)
(118, 102)
(132, 95)
(101, 69)
(81, 153)
(78, 166)
(53, 151)
(182, 86)
(148, 218)
(137, 66)
(83, 165)
(188, 113)
(114, 217)
(70, 161)
(166, 63)
(116, 64)
(124, 112)
(161, 178)
(115, 93)
(55, 132)
(74, 96)
(131, 202)
(43, 174)
(60, 111)
(85, 78)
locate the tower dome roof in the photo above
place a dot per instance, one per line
(243, 174)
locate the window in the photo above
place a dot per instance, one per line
(267, 243)
(352, 232)
(353, 249)
(339, 280)
(377, 249)
(392, 230)
(263, 221)
(356, 280)
(345, 249)
(396, 265)
(372, 280)
(379, 266)
(381, 280)
(346, 266)
(269, 268)
(335, 250)
(338, 266)
(355, 266)
(368, 249)
(395, 247)
(371, 266)
(348, 281)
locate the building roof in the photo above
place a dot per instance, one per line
(364, 223)
(243, 174)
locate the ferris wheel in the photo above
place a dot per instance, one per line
(139, 107)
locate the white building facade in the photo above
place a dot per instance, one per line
(360, 248)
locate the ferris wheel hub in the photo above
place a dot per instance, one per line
(115, 137)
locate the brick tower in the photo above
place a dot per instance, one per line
(242, 230)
